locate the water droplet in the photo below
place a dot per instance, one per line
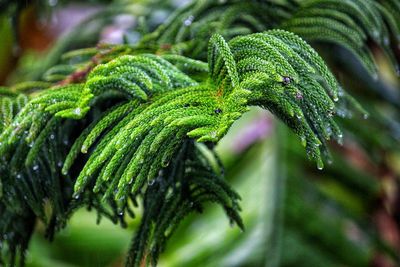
(213, 134)
(340, 139)
(151, 182)
(76, 196)
(19, 176)
(218, 111)
(299, 95)
(375, 33)
(386, 40)
(365, 116)
(77, 111)
(35, 168)
(31, 144)
(59, 164)
(165, 163)
(320, 165)
(340, 91)
(341, 113)
(52, 136)
(286, 80)
(188, 21)
(329, 130)
(303, 141)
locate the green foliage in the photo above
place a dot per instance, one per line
(112, 125)
(178, 190)
(350, 24)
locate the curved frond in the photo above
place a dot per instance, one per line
(275, 69)
(350, 24)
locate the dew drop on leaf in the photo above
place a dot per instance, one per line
(340, 139)
(320, 165)
(188, 21)
(386, 40)
(77, 111)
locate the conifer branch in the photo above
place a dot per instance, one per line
(112, 126)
